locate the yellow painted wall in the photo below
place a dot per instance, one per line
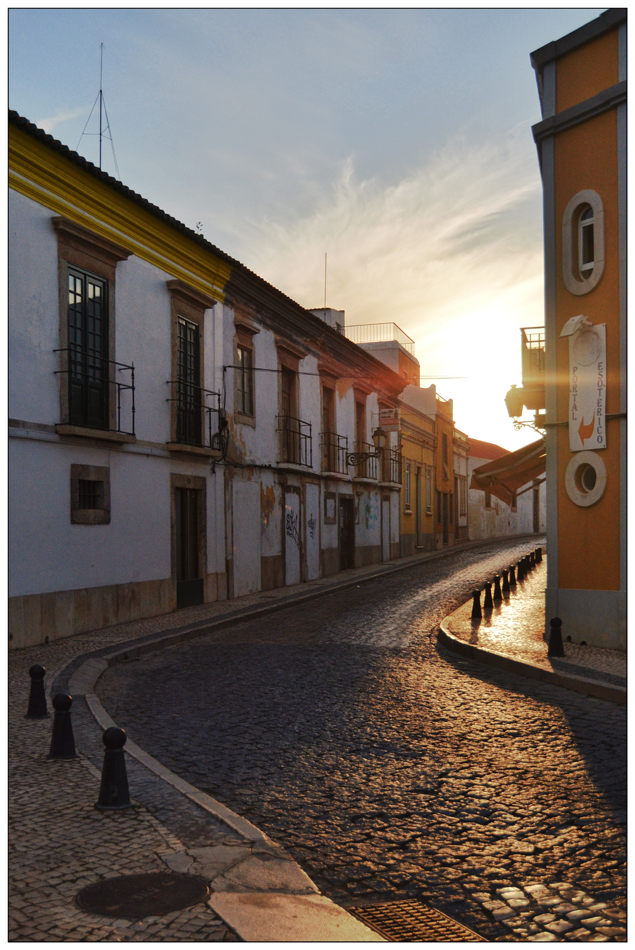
(586, 157)
(587, 71)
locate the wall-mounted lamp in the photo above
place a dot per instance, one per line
(379, 441)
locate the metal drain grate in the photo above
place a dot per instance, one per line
(410, 920)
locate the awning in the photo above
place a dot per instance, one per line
(505, 475)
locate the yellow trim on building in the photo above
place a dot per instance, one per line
(50, 179)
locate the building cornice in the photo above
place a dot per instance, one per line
(581, 112)
(566, 44)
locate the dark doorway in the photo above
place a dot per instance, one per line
(446, 535)
(418, 508)
(346, 533)
(189, 583)
(536, 510)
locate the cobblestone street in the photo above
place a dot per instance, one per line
(389, 767)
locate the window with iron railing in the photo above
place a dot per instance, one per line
(368, 467)
(334, 451)
(295, 441)
(391, 466)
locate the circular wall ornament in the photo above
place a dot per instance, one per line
(585, 479)
(587, 346)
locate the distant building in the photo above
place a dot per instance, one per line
(581, 143)
(511, 500)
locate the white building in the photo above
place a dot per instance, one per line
(500, 512)
(179, 429)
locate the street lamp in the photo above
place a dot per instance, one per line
(379, 441)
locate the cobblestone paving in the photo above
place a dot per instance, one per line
(58, 842)
(389, 767)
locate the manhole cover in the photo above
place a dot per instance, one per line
(142, 895)
(410, 920)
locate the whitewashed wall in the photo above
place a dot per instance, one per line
(499, 520)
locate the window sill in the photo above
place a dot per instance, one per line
(90, 516)
(408, 511)
(396, 486)
(105, 434)
(294, 467)
(337, 476)
(361, 479)
(201, 451)
(244, 419)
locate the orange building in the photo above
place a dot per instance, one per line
(581, 143)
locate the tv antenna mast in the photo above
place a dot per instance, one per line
(103, 130)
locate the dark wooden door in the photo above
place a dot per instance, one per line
(346, 533)
(189, 580)
(446, 518)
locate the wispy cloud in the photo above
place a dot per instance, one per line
(458, 232)
(453, 254)
(51, 123)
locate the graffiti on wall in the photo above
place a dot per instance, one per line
(371, 512)
(311, 525)
(292, 526)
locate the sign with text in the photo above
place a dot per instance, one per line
(389, 420)
(587, 389)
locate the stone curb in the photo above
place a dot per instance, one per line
(259, 891)
(588, 686)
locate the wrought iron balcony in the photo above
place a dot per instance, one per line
(296, 441)
(95, 395)
(533, 356)
(365, 460)
(334, 451)
(197, 422)
(391, 466)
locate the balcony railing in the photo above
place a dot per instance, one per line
(97, 397)
(379, 333)
(197, 422)
(296, 441)
(367, 468)
(334, 451)
(533, 356)
(391, 465)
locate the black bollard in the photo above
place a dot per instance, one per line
(37, 697)
(555, 637)
(476, 605)
(520, 571)
(497, 589)
(113, 791)
(488, 603)
(512, 576)
(532, 559)
(505, 582)
(62, 739)
(538, 555)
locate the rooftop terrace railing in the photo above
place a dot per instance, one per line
(379, 333)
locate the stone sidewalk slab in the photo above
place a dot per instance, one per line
(511, 637)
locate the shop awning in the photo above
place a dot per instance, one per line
(506, 475)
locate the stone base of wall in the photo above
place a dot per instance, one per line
(371, 554)
(271, 572)
(395, 550)
(61, 614)
(330, 561)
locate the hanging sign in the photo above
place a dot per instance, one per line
(587, 388)
(389, 420)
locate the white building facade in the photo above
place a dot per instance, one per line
(179, 429)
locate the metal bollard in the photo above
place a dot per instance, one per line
(520, 571)
(555, 637)
(113, 791)
(497, 589)
(532, 559)
(37, 697)
(538, 555)
(488, 603)
(506, 581)
(62, 739)
(476, 605)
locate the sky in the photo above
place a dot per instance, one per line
(396, 141)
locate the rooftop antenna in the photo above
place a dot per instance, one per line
(102, 111)
(325, 280)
